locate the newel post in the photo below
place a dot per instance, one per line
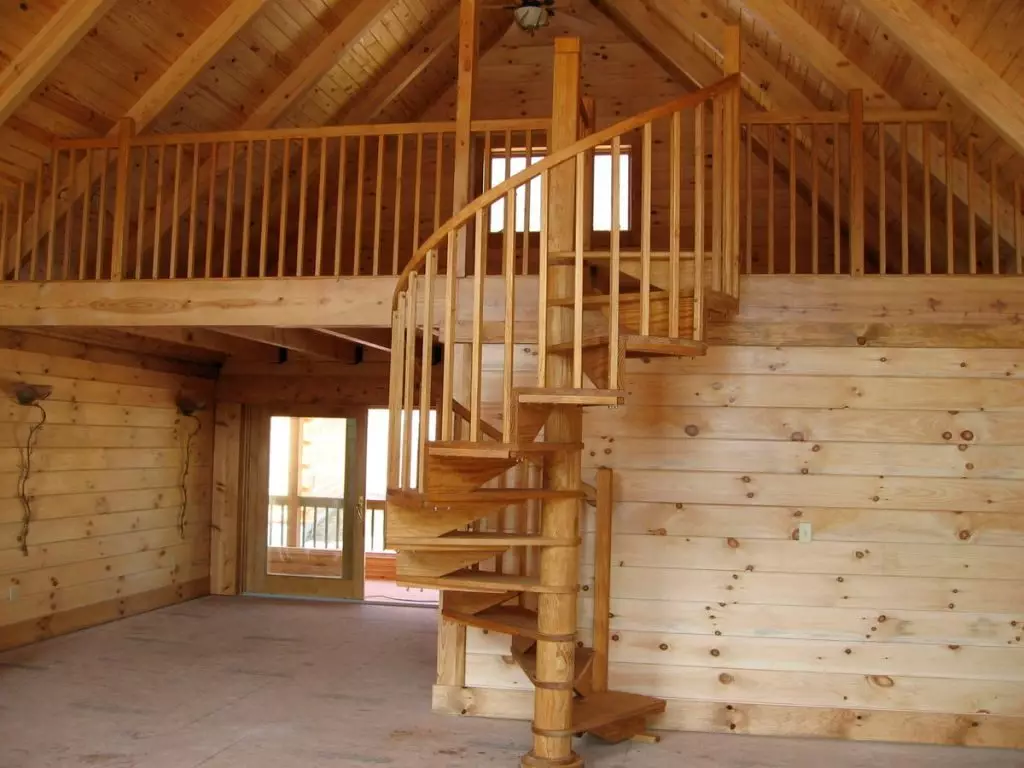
(125, 135)
(559, 565)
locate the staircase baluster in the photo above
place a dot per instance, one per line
(675, 222)
(509, 275)
(645, 234)
(451, 307)
(542, 311)
(410, 381)
(698, 222)
(616, 256)
(211, 213)
(526, 205)
(395, 393)
(427, 356)
(577, 336)
(476, 364)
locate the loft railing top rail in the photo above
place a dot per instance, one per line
(553, 160)
(321, 132)
(842, 117)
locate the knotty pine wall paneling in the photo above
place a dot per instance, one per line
(105, 488)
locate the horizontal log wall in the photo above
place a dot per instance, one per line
(901, 618)
(105, 488)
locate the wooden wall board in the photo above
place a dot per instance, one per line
(738, 717)
(106, 492)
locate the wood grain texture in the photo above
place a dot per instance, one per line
(109, 534)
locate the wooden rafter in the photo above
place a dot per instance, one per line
(46, 50)
(303, 340)
(367, 105)
(688, 64)
(978, 86)
(298, 83)
(816, 50)
(376, 338)
(701, 19)
(149, 106)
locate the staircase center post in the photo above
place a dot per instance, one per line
(559, 566)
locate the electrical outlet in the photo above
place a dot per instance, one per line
(804, 532)
(12, 593)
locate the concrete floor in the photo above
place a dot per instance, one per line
(245, 683)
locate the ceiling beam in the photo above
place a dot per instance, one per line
(46, 50)
(317, 63)
(703, 20)
(814, 49)
(212, 341)
(377, 338)
(368, 103)
(153, 101)
(993, 99)
(303, 340)
(297, 84)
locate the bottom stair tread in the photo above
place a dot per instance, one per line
(507, 619)
(607, 707)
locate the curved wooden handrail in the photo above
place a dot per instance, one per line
(553, 160)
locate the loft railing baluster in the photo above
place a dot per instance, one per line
(360, 171)
(246, 209)
(397, 218)
(229, 213)
(698, 221)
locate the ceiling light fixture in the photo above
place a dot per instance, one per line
(532, 15)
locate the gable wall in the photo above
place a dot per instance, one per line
(899, 441)
(105, 488)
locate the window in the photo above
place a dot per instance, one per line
(602, 212)
(517, 163)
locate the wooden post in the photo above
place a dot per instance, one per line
(451, 648)
(559, 566)
(125, 134)
(602, 577)
(225, 539)
(856, 182)
(732, 63)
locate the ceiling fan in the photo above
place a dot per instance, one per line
(532, 15)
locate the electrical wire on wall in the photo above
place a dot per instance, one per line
(29, 396)
(186, 461)
(187, 407)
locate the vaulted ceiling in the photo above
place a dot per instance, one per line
(73, 68)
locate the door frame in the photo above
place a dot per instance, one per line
(256, 499)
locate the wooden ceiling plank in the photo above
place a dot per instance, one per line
(208, 340)
(310, 70)
(816, 50)
(687, 64)
(149, 106)
(317, 63)
(46, 50)
(306, 341)
(974, 82)
(768, 85)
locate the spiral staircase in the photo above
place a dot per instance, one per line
(489, 511)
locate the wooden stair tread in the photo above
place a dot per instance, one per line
(655, 346)
(482, 581)
(549, 396)
(482, 495)
(477, 540)
(466, 449)
(601, 709)
(635, 345)
(506, 619)
(604, 299)
(528, 661)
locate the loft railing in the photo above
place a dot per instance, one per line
(335, 201)
(431, 301)
(885, 192)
